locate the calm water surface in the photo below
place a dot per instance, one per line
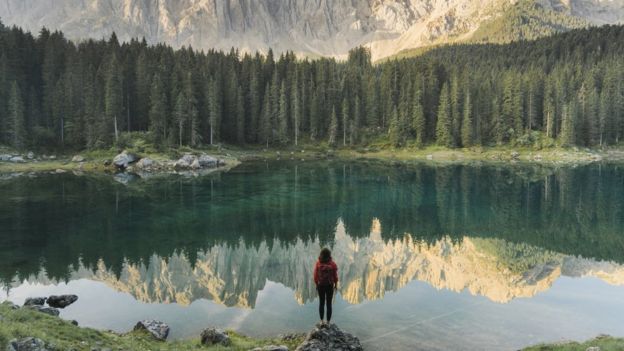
(431, 258)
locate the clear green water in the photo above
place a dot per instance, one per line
(430, 258)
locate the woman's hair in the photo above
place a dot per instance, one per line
(325, 255)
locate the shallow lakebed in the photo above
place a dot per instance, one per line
(431, 257)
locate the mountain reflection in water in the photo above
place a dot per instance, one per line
(451, 257)
(233, 275)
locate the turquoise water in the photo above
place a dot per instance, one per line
(430, 258)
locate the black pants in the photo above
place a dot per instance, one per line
(326, 294)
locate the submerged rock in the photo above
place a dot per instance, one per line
(32, 301)
(125, 158)
(213, 336)
(159, 330)
(27, 344)
(326, 337)
(61, 301)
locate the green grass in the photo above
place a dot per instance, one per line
(605, 343)
(65, 336)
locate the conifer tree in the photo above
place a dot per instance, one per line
(16, 117)
(467, 138)
(444, 126)
(158, 111)
(333, 128)
(394, 133)
(418, 119)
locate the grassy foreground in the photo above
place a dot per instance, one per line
(65, 336)
(601, 343)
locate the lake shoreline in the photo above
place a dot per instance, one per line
(100, 161)
(28, 325)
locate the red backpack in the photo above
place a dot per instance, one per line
(326, 274)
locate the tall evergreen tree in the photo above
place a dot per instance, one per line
(467, 135)
(444, 131)
(16, 117)
(418, 119)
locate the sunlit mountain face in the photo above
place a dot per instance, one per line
(310, 27)
(509, 246)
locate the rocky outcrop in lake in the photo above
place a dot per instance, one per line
(328, 337)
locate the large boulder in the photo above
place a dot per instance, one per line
(17, 159)
(27, 344)
(61, 301)
(125, 158)
(208, 161)
(145, 163)
(5, 157)
(159, 330)
(195, 164)
(185, 162)
(78, 158)
(214, 336)
(32, 301)
(30, 155)
(327, 337)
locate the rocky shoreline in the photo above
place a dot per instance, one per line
(323, 337)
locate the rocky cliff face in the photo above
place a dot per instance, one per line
(309, 27)
(368, 267)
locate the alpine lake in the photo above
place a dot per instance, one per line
(431, 257)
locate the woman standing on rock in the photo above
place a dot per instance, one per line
(326, 280)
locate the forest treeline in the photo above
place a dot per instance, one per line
(567, 88)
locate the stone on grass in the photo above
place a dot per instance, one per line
(47, 310)
(17, 159)
(271, 348)
(5, 157)
(11, 305)
(32, 301)
(27, 344)
(61, 301)
(30, 155)
(159, 330)
(78, 158)
(214, 336)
